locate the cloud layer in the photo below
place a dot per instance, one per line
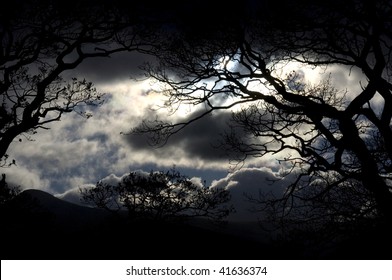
(76, 151)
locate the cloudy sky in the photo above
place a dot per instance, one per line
(78, 152)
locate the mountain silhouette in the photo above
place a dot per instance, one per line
(65, 214)
(41, 226)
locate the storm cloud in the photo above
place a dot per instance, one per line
(199, 140)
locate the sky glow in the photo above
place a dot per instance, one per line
(77, 152)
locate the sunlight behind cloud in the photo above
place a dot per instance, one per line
(228, 63)
(305, 74)
(132, 98)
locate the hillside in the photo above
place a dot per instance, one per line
(41, 226)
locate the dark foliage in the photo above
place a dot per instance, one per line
(160, 196)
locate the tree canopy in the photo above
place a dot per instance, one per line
(337, 140)
(40, 42)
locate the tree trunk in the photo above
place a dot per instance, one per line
(370, 176)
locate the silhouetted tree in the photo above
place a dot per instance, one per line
(338, 142)
(160, 196)
(40, 42)
(7, 192)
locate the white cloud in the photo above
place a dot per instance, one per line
(73, 195)
(112, 179)
(26, 178)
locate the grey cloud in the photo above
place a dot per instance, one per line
(201, 139)
(118, 67)
(63, 157)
